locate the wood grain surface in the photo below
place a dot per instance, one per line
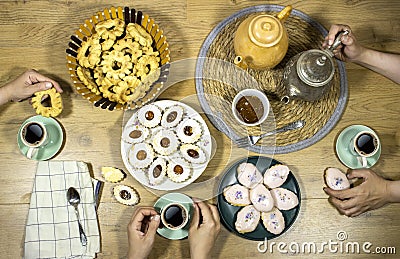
(35, 34)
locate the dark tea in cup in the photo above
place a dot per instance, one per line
(366, 143)
(33, 133)
(174, 216)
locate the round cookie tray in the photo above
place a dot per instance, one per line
(216, 96)
(128, 16)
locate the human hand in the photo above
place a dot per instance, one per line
(26, 85)
(204, 229)
(141, 232)
(349, 50)
(371, 194)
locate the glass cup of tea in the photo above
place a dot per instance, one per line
(34, 135)
(174, 216)
(363, 145)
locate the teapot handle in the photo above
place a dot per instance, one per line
(338, 40)
(284, 14)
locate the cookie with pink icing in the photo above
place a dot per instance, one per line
(247, 219)
(336, 179)
(273, 221)
(248, 175)
(237, 195)
(261, 198)
(284, 199)
(276, 175)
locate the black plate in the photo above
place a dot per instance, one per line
(228, 212)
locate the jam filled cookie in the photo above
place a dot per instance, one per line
(141, 155)
(126, 195)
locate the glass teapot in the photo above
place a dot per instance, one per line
(308, 75)
(261, 40)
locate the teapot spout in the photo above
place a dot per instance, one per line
(240, 62)
(284, 14)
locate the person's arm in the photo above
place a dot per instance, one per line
(373, 193)
(394, 191)
(203, 230)
(386, 64)
(25, 86)
(141, 232)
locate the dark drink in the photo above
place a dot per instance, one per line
(366, 143)
(33, 133)
(250, 109)
(174, 216)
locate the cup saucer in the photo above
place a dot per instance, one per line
(343, 152)
(185, 201)
(56, 138)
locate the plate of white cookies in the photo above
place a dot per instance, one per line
(258, 198)
(166, 145)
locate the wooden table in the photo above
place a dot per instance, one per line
(34, 34)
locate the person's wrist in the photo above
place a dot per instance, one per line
(4, 95)
(362, 55)
(199, 256)
(133, 255)
(393, 193)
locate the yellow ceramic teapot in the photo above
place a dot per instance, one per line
(261, 40)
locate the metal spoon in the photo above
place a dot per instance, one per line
(252, 140)
(74, 199)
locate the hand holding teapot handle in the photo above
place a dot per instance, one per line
(338, 40)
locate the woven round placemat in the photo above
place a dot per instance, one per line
(320, 116)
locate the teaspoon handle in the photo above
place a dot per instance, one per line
(81, 232)
(291, 126)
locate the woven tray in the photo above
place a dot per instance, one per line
(320, 116)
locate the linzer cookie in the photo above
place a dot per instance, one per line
(125, 195)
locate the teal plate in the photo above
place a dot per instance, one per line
(345, 155)
(185, 201)
(56, 138)
(228, 212)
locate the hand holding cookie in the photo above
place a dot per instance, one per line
(24, 86)
(371, 194)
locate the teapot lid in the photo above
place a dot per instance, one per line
(265, 30)
(315, 67)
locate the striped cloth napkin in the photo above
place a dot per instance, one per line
(52, 227)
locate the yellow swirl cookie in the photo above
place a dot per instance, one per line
(86, 78)
(89, 53)
(139, 34)
(55, 107)
(115, 27)
(146, 64)
(116, 65)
